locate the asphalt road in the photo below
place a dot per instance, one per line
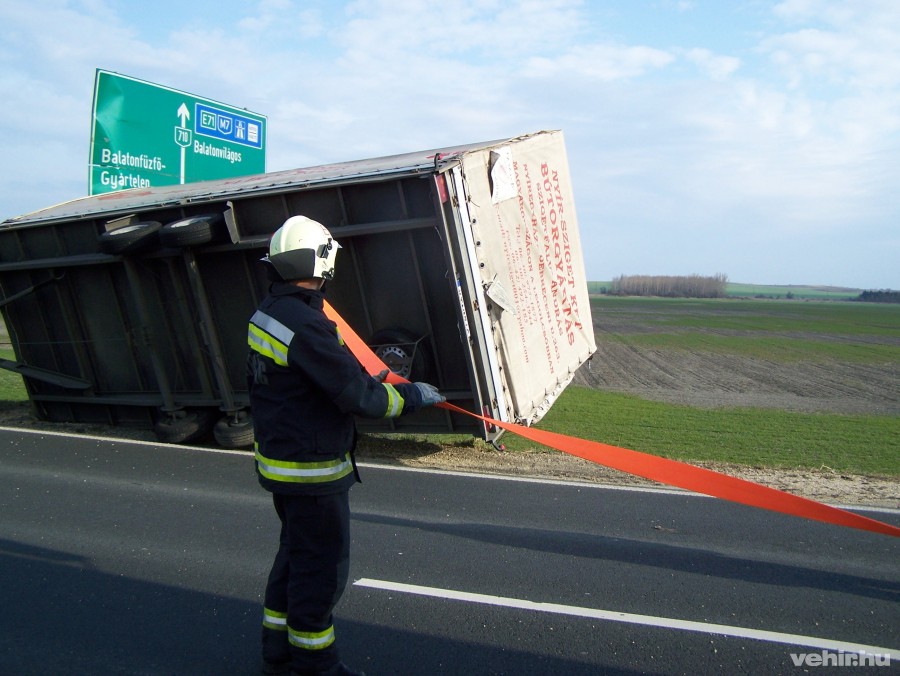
(126, 558)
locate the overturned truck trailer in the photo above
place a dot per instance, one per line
(460, 266)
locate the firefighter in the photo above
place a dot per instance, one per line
(305, 388)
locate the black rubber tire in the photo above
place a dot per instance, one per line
(129, 239)
(182, 426)
(190, 231)
(398, 349)
(234, 431)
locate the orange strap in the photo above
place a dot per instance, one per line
(644, 465)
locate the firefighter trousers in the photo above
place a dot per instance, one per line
(307, 579)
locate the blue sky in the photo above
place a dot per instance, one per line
(758, 139)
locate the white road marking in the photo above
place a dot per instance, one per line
(422, 470)
(588, 484)
(121, 440)
(536, 480)
(630, 618)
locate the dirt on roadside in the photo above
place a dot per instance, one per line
(824, 485)
(476, 456)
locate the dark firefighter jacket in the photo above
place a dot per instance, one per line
(305, 387)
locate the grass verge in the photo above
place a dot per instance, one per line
(11, 386)
(858, 444)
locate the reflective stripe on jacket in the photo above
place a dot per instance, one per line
(305, 389)
(303, 472)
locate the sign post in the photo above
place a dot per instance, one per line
(147, 135)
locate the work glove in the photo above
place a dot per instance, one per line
(430, 395)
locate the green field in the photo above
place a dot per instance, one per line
(773, 291)
(786, 331)
(781, 335)
(799, 292)
(857, 444)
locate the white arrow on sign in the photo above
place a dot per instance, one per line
(184, 116)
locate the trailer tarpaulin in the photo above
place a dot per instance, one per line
(537, 290)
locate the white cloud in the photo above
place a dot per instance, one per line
(715, 66)
(600, 62)
(277, 16)
(496, 29)
(855, 44)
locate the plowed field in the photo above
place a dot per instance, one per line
(789, 355)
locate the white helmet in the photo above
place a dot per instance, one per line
(302, 249)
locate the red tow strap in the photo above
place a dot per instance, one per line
(644, 465)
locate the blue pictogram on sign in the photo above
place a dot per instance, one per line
(227, 125)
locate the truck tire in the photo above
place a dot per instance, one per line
(403, 354)
(234, 431)
(190, 231)
(182, 426)
(129, 239)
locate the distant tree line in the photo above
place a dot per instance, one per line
(884, 296)
(690, 286)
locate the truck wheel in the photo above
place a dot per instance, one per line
(182, 426)
(403, 354)
(189, 231)
(129, 239)
(234, 431)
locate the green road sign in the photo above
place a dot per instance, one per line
(147, 135)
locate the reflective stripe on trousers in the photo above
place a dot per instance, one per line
(308, 640)
(311, 640)
(274, 620)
